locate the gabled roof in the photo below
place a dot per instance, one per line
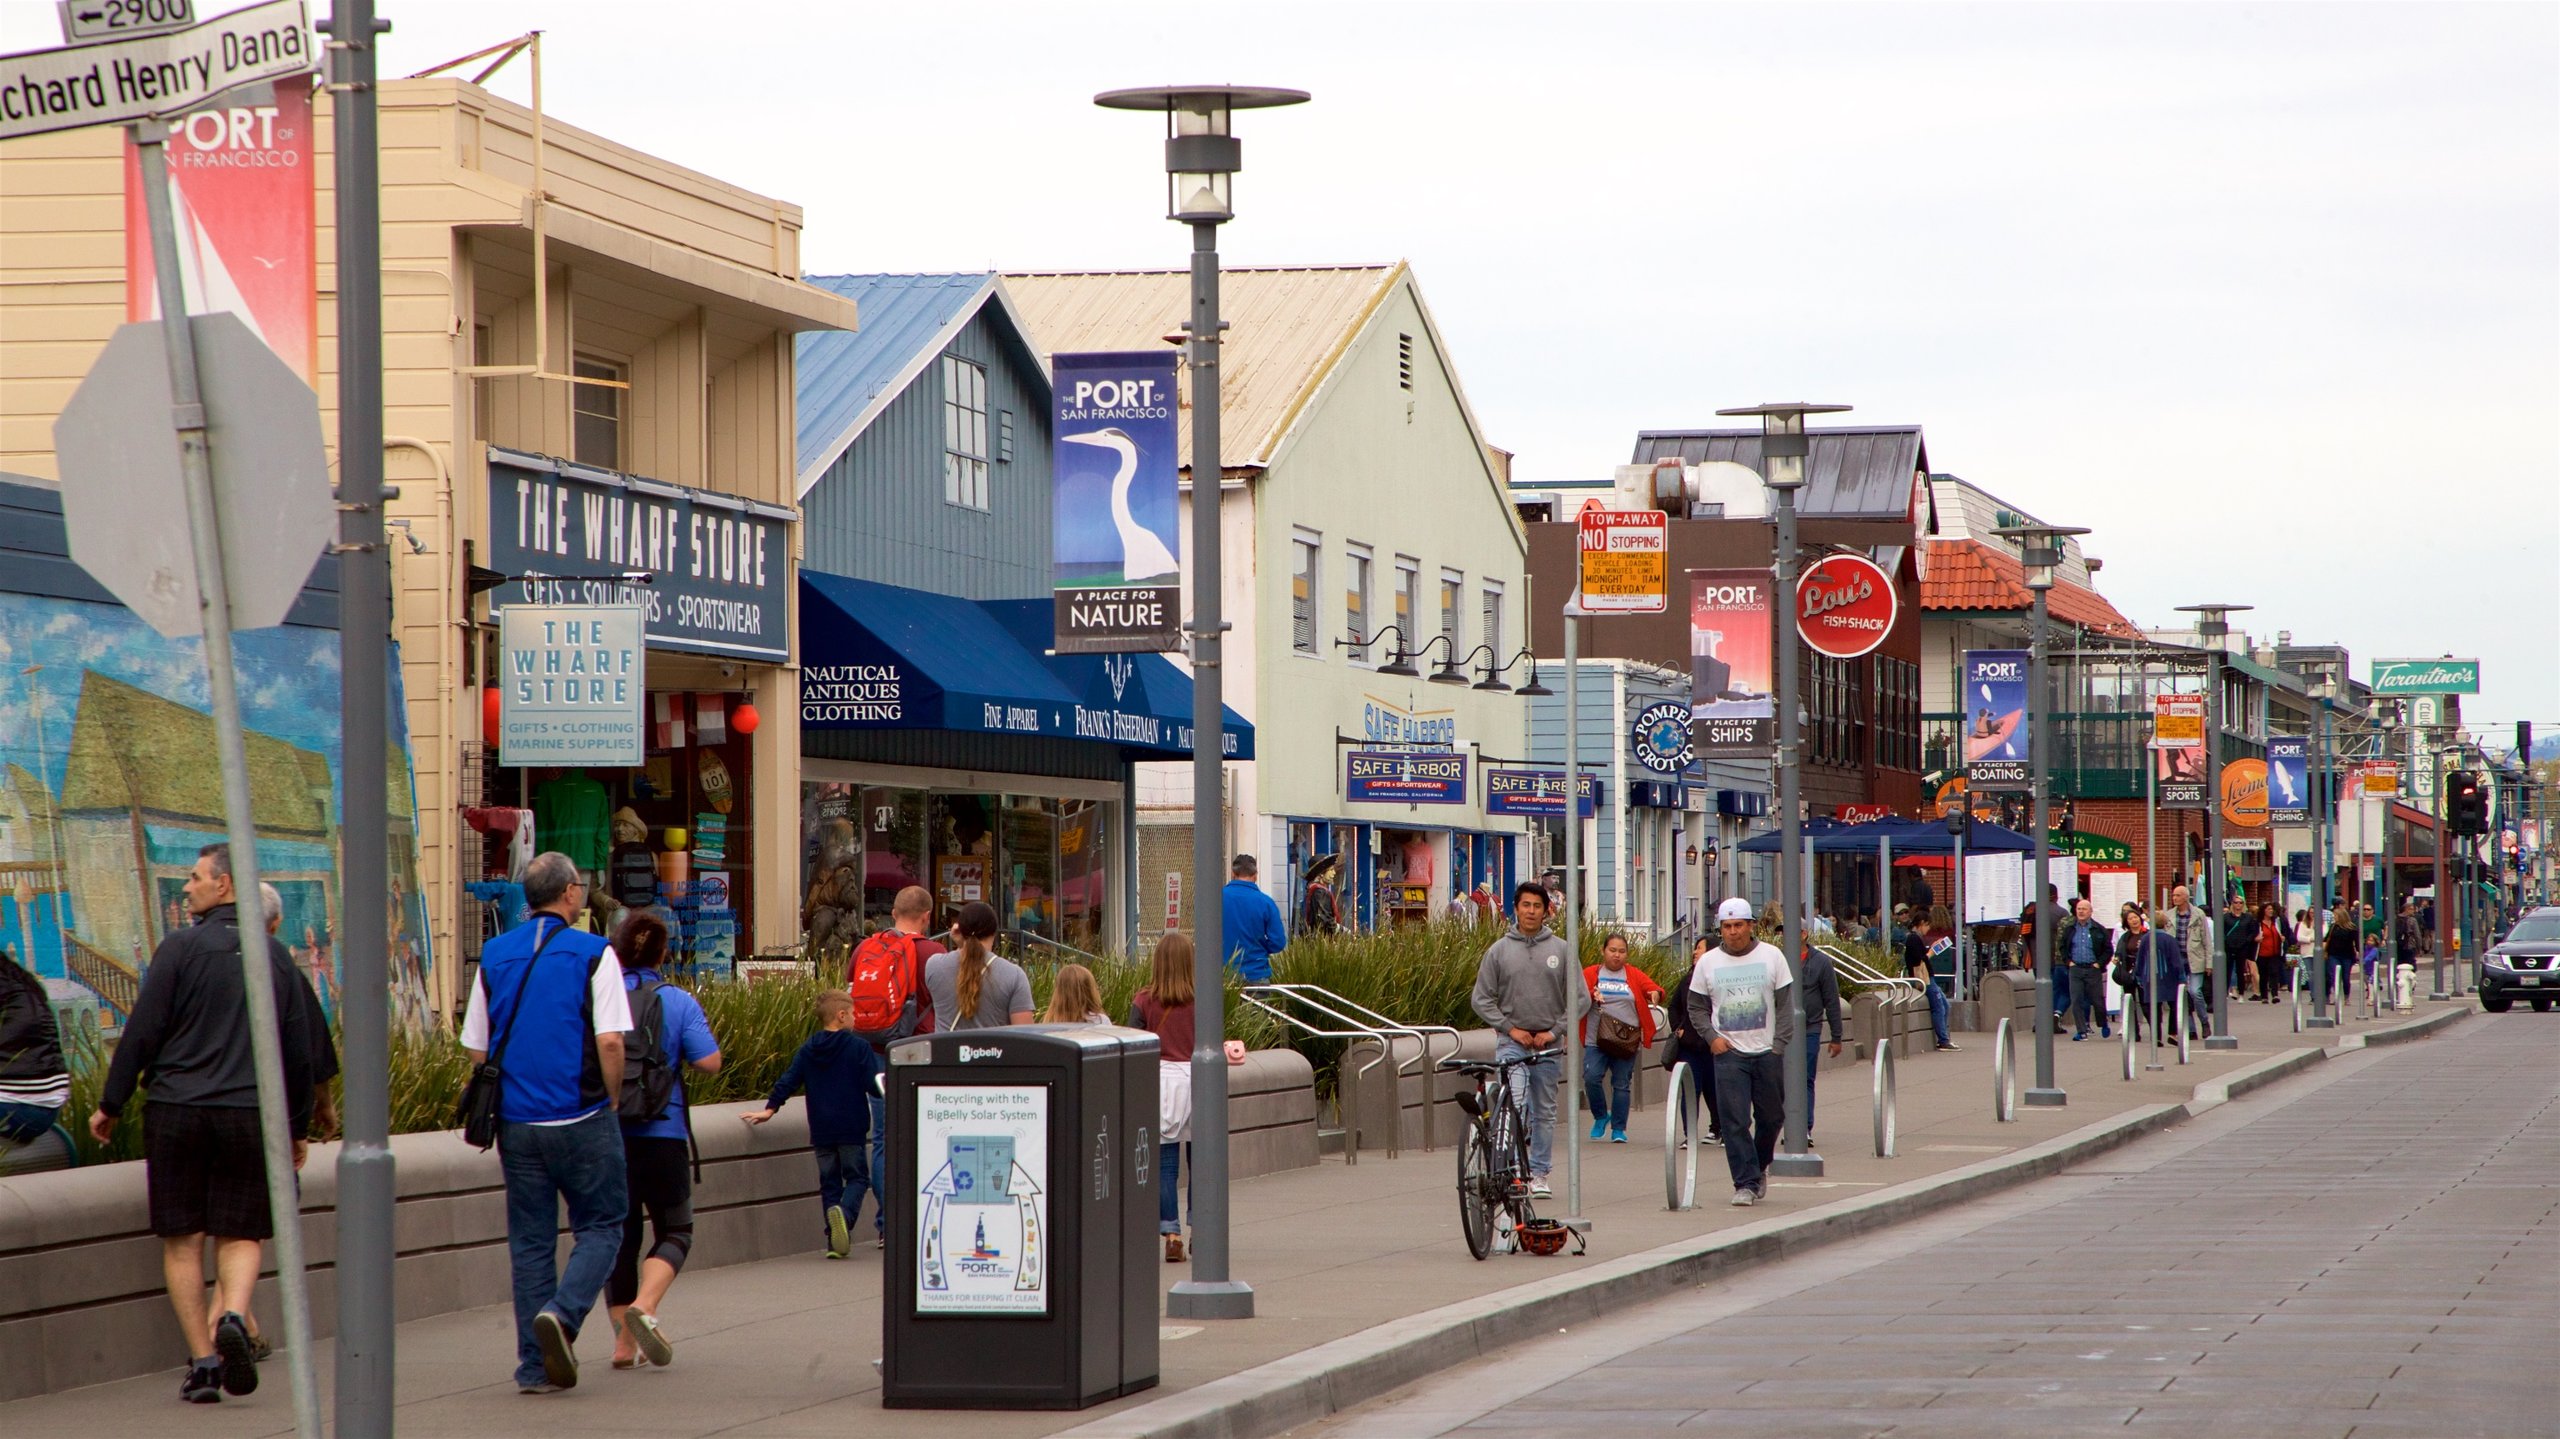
(844, 379)
(1286, 328)
(1972, 575)
(1852, 472)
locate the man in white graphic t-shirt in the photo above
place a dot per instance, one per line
(1751, 988)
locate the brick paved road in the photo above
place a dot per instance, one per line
(2371, 1250)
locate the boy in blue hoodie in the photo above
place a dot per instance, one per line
(837, 1068)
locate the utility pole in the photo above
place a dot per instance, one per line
(2212, 625)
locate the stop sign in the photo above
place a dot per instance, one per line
(124, 501)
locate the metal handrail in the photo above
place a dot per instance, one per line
(1887, 1125)
(1030, 936)
(2004, 1072)
(1362, 1023)
(1681, 1122)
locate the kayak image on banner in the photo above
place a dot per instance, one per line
(1116, 571)
(1995, 708)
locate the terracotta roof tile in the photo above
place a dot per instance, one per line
(1970, 575)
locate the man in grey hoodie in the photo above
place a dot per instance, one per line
(1520, 991)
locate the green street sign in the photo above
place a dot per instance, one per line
(2095, 848)
(2426, 677)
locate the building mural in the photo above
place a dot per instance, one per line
(109, 784)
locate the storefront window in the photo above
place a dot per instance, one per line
(1043, 863)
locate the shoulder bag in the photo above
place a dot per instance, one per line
(477, 1114)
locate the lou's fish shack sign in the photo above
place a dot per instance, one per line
(711, 573)
(2426, 677)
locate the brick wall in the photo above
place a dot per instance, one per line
(1164, 847)
(2122, 819)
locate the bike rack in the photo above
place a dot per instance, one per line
(1361, 1023)
(2004, 1072)
(2124, 1027)
(1681, 1136)
(1903, 992)
(1886, 1124)
(2300, 1002)
(2182, 1024)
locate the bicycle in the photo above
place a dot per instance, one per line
(1494, 1206)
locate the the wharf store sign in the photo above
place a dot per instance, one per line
(710, 572)
(571, 680)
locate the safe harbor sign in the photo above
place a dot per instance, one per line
(1379, 776)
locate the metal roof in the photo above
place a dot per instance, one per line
(1862, 472)
(845, 379)
(1285, 329)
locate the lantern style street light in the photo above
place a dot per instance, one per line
(1201, 156)
(2040, 555)
(2212, 626)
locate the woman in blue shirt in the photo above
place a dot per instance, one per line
(656, 1152)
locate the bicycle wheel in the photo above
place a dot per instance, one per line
(1475, 1193)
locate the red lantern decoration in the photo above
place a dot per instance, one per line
(744, 718)
(489, 714)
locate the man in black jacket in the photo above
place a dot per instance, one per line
(188, 1039)
(2084, 951)
(34, 1085)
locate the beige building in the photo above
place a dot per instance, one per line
(579, 338)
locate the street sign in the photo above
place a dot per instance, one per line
(2382, 779)
(85, 22)
(124, 499)
(1846, 605)
(147, 75)
(1626, 562)
(2437, 676)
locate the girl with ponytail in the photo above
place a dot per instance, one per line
(972, 986)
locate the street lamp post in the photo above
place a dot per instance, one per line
(1782, 450)
(2324, 688)
(2387, 726)
(2212, 625)
(2040, 554)
(1201, 156)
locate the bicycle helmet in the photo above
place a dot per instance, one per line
(1543, 1236)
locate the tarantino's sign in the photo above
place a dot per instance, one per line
(717, 568)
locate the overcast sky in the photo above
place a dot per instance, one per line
(2266, 296)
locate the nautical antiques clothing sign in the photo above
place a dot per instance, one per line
(1116, 571)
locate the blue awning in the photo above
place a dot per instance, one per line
(875, 656)
(1909, 836)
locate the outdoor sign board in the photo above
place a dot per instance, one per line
(982, 1200)
(1846, 605)
(84, 21)
(2244, 793)
(2089, 848)
(1626, 561)
(2177, 744)
(2288, 779)
(112, 82)
(1536, 792)
(240, 189)
(2436, 676)
(1733, 707)
(2382, 780)
(1397, 776)
(718, 567)
(1659, 738)
(1995, 734)
(1115, 502)
(570, 685)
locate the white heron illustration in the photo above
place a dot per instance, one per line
(1142, 555)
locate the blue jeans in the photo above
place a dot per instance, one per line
(1536, 1083)
(875, 1179)
(1618, 1074)
(545, 1164)
(25, 1123)
(1168, 1177)
(841, 1168)
(1811, 1048)
(1751, 1101)
(1938, 1011)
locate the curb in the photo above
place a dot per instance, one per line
(1316, 1383)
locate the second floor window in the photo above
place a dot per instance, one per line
(1491, 635)
(964, 433)
(1453, 589)
(1302, 593)
(595, 413)
(1408, 603)
(1355, 603)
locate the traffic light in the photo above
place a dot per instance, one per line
(2524, 744)
(2466, 803)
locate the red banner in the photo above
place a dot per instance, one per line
(1732, 709)
(241, 181)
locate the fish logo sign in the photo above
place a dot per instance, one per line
(1119, 668)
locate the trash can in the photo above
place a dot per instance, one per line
(1023, 1266)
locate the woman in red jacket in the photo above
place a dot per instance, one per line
(1615, 1031)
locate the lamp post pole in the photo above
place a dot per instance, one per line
(2040, 554)
(2212, 625)
(2323, 810)
(1782, 450)
(1201, 156)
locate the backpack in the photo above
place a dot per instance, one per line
(882, 982)
(648, 1071)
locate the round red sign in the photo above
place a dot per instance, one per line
(1846, 605)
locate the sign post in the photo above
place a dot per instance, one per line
(273, 428)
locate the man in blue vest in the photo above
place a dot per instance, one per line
(549, 1000)
(1251, 923)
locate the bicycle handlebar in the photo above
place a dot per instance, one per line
(1457, 1065)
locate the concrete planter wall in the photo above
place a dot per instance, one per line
(80, 1292)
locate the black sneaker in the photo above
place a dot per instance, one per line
(1948, 1047)
(203, 1384)
(559, 1350)
(239, 1355)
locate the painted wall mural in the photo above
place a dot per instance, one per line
(109, 785)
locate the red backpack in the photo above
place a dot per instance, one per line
(885, 987)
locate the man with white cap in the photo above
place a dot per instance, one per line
(1750, 990)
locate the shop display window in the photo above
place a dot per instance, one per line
(1042, 862)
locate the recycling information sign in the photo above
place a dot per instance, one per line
(982, 1206)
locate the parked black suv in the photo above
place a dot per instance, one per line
(2526, 964)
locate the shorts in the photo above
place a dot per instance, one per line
(207, 1172)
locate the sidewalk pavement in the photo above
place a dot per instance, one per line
(1354, 1259)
